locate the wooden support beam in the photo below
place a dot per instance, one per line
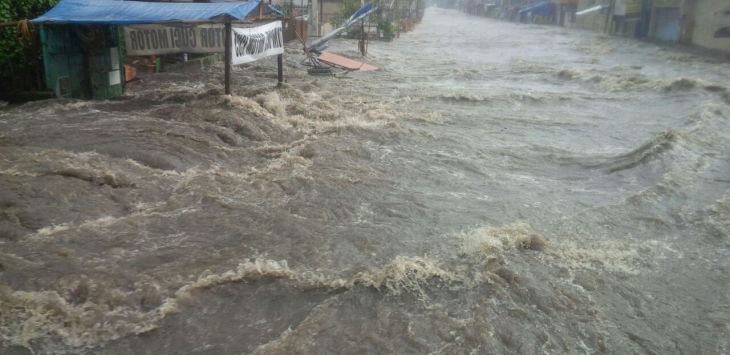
(261, 11)
(229, 56)
(9, 23)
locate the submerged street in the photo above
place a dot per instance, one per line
(496, 188)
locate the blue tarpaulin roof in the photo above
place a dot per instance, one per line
(117, 12)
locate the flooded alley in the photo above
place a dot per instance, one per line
(496, 188)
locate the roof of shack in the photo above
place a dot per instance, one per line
(117, 12)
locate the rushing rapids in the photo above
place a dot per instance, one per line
(497, 188)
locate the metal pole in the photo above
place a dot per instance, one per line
(609, 16)
(229, 57)
(319, 20)
(280, 64)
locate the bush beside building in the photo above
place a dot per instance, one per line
(20, 58)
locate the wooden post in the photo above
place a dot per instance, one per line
(229, 57)
(363, 50)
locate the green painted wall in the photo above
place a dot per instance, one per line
(86, 56)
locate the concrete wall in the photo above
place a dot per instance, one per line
(329, 9)
(314, 9)
(595, 21)
(710, 17)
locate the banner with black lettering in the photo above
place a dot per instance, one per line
(254, 43)
(168, 39)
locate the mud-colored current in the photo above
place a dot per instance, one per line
(496, 188)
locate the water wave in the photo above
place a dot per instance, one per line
(83, 315)
(629, 78)
(650, 150)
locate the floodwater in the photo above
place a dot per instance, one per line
(497, 188)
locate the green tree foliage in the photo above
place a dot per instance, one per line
(288, 9)
(347, 8)
(19, 54)
(386, 27)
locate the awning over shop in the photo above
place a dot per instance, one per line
(543, 8)
(117, 12)
(589, 10)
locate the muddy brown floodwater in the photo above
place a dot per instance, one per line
(497, 188)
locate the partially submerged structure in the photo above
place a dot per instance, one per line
(701, 23)
(705, 23)
(318, 59)
(83, 42)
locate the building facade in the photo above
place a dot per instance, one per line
(704, 23)
(710, 25)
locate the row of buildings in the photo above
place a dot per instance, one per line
(704, 23)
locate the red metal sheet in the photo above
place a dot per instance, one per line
(344, 62)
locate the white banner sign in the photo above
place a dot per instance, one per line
(254, 43)
(160, 39)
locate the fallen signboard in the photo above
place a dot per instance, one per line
(344, 62)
